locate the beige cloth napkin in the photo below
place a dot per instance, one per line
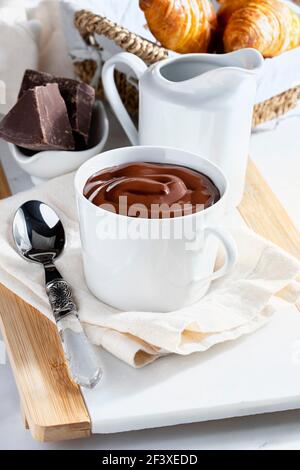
(238, 304)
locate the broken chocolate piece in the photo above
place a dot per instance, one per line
(39, 121)
(79, 98)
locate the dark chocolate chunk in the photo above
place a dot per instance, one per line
(39, 121)
(79, 98)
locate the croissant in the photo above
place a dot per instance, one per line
(267, 25)
(227, 7)
(181, 25)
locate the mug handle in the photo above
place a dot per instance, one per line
(138, 67)
(230, 251)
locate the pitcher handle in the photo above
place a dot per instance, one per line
(138, 67)
(230, 252)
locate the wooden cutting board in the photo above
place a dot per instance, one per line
(51, 403)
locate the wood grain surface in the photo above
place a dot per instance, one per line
(4, 187)
(264, 213)
(52, 405)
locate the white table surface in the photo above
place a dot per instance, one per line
(276, 153)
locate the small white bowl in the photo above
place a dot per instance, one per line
(45, 165)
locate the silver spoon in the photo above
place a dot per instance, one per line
(40, 237)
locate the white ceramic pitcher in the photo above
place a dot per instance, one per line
(201, 103)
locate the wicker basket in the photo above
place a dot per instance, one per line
(89, 24)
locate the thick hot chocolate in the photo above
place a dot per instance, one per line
(151, 190)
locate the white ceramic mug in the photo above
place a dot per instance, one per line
(168, 270)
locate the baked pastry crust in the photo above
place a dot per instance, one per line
(269, 26)
(227, 7)
(183, 26)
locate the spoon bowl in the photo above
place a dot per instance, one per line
(38, 232)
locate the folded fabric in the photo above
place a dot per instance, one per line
(18, 49)
(53, 52)
(238, 304)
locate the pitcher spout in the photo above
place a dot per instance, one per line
(200, 71)
(248, 60)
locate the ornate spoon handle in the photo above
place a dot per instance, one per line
(80, 355)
